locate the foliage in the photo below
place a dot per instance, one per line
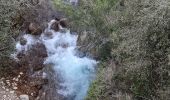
(142, 51)
(139, 33)
(7, 9)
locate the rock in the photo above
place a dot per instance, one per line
(83, 36)
(38, 50)
(4, 96)
(59, 23)
(7, 80)
(24, 97)
(65, 45)
(63, 30)
(57, 19)
(38, 78)
(15, 88)
(63, 22)
(44, 75)
(19, 76)
(11, 92)
(7, 90)
(38, 82)
(48, 34)
(3, 87)
(21, 73)
(86, 43)
(23, 41)
(38, 74)
(34, 29)
(32, 94)
(55, 26)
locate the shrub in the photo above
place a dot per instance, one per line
(139, 33)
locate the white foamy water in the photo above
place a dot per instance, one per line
(75, 72)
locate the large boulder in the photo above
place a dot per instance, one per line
(34, 29)
(55, 26)
(63, 22)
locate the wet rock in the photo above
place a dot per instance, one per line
(23, 41)
(59, 23)
(63, 22)
(34, 29)
(24, 97)
(38, 50)
(64, 45)
(37, 64)
(48, 34)
(63, 30)
(57, 19)
(55, 26)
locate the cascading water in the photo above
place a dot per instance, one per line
(75, 72)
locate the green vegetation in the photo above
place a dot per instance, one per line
(138, 34)
(8, 10)
(130, 37)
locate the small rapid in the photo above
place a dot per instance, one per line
(75, 73)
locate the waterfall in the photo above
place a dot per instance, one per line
(75, 72)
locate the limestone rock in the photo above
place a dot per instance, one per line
(24, 97)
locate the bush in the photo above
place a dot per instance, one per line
(139, 33)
